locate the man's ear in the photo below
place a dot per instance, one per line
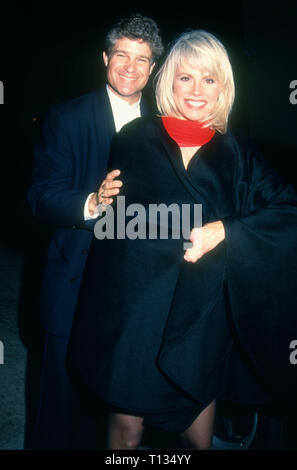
(105, 58)
(152, 67)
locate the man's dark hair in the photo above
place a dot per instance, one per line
(136, 26)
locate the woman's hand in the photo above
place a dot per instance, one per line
(204, 239)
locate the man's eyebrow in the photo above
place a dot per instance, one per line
(122, 51)
(118, 50)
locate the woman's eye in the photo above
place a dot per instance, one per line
(184, 79)
(209, 80)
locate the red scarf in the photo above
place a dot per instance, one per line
(187, 133)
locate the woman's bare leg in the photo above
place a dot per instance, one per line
(200, 433)
(124, 431)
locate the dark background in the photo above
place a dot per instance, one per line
(52, 51)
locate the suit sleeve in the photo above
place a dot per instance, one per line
(261, 270)
(52, 195)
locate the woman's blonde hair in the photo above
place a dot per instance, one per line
(204, 51)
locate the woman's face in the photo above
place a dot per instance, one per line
(195, 92)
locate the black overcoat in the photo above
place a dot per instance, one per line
(162, 337)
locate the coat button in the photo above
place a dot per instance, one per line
(84, 251)
(73, 280)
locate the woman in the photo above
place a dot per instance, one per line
(171, 331)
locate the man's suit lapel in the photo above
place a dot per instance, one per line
(144, 108)
(103, 116)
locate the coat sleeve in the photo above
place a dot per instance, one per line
(261, 270)
(52, 196)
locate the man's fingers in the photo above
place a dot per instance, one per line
(110, 192)
(112, 174)
(107, 201)
(112, 184)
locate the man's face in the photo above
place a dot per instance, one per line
(128, 68)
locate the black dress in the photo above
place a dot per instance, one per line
(162, 338)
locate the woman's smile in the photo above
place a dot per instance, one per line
(195, 92)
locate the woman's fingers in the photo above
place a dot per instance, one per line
(204, 239)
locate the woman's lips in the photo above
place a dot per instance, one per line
(197, 104)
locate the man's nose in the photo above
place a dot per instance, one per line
(130, 65)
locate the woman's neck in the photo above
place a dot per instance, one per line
(187, 154)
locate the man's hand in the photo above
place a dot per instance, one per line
(204, 239)
(109, 187)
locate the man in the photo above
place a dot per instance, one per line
(70, 162)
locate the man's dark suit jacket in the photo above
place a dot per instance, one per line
(69, 162)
